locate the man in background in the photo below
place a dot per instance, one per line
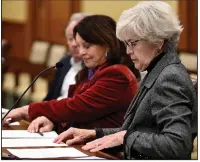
(72, 63)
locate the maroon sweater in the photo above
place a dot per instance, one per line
(100, 102)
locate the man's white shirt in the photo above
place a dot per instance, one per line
(70, 78)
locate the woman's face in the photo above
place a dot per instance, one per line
(92, 55)
(141, 53)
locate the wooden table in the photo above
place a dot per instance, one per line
(23, 126)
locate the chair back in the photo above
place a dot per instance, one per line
(9, 82)
(189, 60)
(194, 151)
(40, 90)
(24, 80)
(39, 52)
(56, 52)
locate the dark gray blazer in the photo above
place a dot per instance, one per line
(162, 117)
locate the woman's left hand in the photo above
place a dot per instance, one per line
(105, 142)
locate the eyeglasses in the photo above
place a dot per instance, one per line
(131, 44)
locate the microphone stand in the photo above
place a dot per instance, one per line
(26, 91)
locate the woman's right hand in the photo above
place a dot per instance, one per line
(40, 124)
(75, 135)
(17, 115)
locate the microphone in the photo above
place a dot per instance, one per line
(57, 66)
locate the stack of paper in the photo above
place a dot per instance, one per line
(23, 138)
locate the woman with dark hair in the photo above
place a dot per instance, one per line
(94, 32)
(96, 100)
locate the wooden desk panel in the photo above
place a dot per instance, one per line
(24, 125)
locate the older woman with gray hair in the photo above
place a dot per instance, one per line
(161, 121)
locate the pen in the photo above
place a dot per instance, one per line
(41, 134)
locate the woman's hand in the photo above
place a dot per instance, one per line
(17, 115)
(108, 141)
(40, 124)
(75, 135)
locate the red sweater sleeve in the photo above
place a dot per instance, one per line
(112, 92)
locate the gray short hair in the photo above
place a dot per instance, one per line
(77, 17)
(153, 21)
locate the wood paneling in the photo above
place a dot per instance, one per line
(188, 17)
(46, 21)
(183, 15)
(41, 14)
(15, 33)
(75, 5)
(51, 18)
(59, 16)
(192, 22)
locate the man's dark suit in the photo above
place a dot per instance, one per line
(55, 88)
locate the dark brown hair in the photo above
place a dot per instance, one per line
(101, 30)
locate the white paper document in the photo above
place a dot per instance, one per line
(26, 134)
(46, 153)
(3, 110)
(25, 142)
(91, 158)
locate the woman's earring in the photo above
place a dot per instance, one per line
(158, 51)
(106, 54)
